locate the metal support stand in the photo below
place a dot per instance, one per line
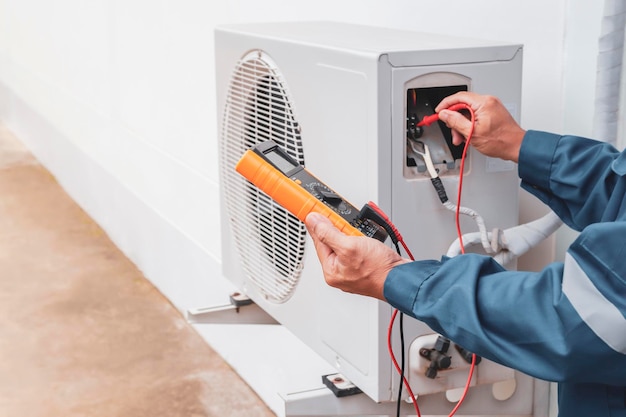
(241, 310)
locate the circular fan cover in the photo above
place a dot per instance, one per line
(269, 239)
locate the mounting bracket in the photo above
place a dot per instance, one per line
(240, 310)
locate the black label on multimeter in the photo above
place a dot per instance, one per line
(292, 170)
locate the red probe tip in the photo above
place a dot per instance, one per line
(428, 120)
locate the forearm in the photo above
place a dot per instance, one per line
(519, 319)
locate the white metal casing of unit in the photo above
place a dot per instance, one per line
(347, 94)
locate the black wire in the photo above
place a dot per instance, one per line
(399, 401)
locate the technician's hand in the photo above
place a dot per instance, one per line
(496, 133)
(353, 264)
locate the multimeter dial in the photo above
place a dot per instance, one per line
(328, 196)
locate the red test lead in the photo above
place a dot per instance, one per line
(428, 120)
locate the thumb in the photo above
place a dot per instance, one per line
(324, 236)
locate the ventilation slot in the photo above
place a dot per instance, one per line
(269, 239)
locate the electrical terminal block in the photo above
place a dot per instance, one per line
(434, 365)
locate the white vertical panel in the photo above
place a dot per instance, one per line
(580, 64)
(609, 71)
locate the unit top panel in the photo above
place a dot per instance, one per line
(399, 45)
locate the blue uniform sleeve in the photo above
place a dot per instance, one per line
(519, 319)
(578, 178)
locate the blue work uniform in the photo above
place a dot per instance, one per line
(565, 323)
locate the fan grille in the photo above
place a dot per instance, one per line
(269, 239)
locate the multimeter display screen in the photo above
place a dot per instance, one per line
(280, 162)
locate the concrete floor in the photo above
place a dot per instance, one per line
(82, 332)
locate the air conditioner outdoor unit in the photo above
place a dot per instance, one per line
(337, 98)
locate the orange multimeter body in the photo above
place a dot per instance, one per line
(276, 173)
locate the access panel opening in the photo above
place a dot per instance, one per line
(422, 102)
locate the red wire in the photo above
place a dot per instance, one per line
(460, 235)
(462, 167)
(425, 122)
(395, 311)
(467, 385)
(395, 363)
(408, 252)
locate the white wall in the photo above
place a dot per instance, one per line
(116, 98)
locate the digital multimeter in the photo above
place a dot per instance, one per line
(275, 172)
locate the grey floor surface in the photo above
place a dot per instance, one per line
(82, 332)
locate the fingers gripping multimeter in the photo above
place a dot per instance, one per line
(275, 172)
